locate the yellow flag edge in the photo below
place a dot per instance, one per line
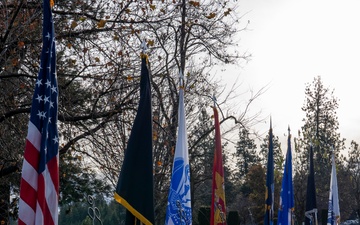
(123, 202)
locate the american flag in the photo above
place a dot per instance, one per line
(39, 188)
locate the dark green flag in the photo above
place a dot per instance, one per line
(135, 186)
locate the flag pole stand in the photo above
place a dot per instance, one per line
(93, 211)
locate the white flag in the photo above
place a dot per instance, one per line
(334, 210)
(179, 201)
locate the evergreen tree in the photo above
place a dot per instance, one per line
(320, 129)
(321, 122)
(98, 76)
(78, 179)
(245, 152)
(201, 150)
(254, 194)
(353, 169)
(278, 155)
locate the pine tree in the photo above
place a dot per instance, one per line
(321, 122)
(245, 152)
(278, 155)
(320, 129)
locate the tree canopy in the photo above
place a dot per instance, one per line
(98, 47)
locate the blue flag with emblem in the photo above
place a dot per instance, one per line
(178, 209)
(334, 209)
(287, 191)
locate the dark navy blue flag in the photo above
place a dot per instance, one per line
(269, 194)
(311, 209)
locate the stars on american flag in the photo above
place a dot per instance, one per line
(41, 114)
(48, 83)
(39, 98)
(38, 83)
(51, 104)
(56, 140)
(47, 101)
(53, 89)
(48, 36)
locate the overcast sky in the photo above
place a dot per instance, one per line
(293, 41)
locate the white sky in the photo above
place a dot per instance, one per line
(293, 41)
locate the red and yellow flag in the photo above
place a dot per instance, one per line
(218, 207)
